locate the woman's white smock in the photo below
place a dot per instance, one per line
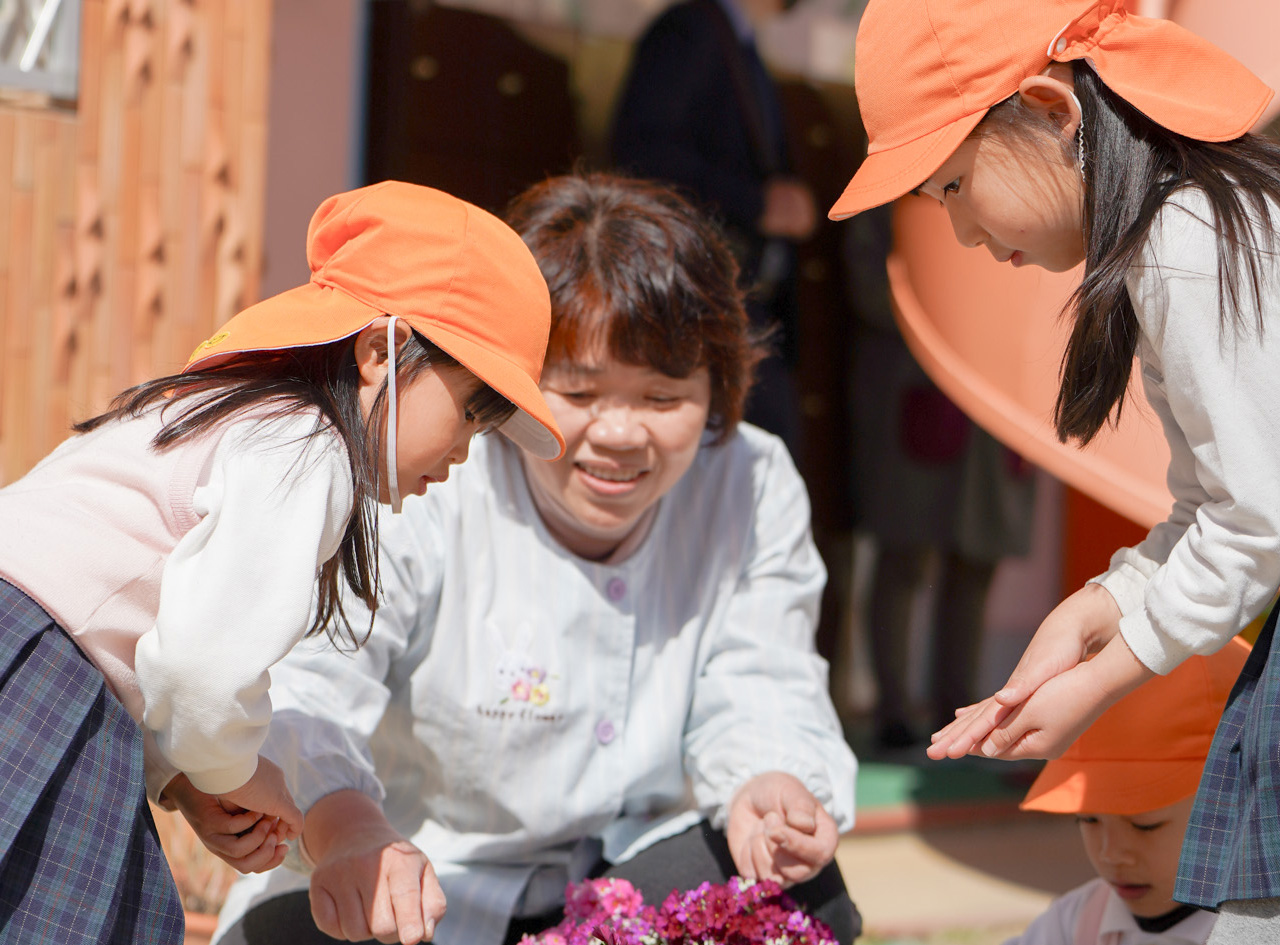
(514, 698)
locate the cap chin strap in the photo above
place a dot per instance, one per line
(393, 480)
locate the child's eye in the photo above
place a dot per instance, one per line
(577, 396)
(663, 400)
(468, 416)
(1086, 819)
(1147, 828)
(952, 188)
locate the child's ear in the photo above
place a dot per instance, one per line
(1053, 97)
(371, 348)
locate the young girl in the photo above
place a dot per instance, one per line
(177, 540)
(1067, 131)
(599, 665)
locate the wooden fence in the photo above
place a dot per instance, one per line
(130, 224)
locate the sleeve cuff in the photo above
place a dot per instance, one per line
(1154, 650)
(222, 780)
(1126, 580)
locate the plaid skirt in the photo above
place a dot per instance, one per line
(80, 861)
(1232, 846)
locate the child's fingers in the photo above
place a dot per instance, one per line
(240, 823)
(237, 846)
(266, 857)
(959, 738)
(231, 807)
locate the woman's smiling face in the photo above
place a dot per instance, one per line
(630, 433)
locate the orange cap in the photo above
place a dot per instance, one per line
(458, 275)
(1148, 750)
(927, 71)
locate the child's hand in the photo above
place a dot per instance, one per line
(369, 882)
(778, 830)
(1055, 715)
(1082, 623)
(244, 839)
(267, 793)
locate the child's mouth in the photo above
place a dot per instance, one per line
(1131, 890)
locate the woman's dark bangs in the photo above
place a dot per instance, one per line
(645, 338)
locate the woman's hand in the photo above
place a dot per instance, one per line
(243, 838)
(369, 882)
(1081, 624)
(778, 830)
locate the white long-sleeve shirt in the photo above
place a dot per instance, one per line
(183, 574)
(1060, 923)
(1204, 573)
(515, 699)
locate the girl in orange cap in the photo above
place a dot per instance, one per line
(1058, 132)
(158, 563)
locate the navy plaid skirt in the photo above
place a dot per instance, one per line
(81, 862)
(1232, 846)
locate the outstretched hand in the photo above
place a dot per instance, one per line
(1053, 716)
(778, 830)
(245, 839)
(1081, 624)
(369, 881)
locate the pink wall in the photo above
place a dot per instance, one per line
(314, 124)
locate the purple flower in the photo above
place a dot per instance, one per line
(740, 912)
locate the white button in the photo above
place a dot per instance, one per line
(605, 732)
(1061, 45)
(616, 589)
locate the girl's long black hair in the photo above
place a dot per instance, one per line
(323, 379)
(1132, 166)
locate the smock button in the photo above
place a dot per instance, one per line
(1060, 45)
(616, 589)
(605, 731)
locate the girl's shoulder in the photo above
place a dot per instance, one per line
(1186, 223)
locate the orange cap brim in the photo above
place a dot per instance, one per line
(532, 427)
(322, 314)
(887, 175)
(1112, 787)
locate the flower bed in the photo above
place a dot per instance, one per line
(739, 912)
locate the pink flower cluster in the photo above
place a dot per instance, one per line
(740, 912)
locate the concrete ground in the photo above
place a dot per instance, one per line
(976, 882)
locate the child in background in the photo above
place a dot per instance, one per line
(1130, 780)
(1063, 132)
(156, 565)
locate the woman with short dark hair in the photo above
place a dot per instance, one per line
(601, 665)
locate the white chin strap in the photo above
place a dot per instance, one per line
(393, 480)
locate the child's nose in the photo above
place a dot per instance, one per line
(461, 449)
(1115, 848)
(967, 231)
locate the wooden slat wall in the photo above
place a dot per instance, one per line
(131, 227)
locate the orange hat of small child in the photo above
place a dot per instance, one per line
(1148, 750)
(927, 71)
(457, 274)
